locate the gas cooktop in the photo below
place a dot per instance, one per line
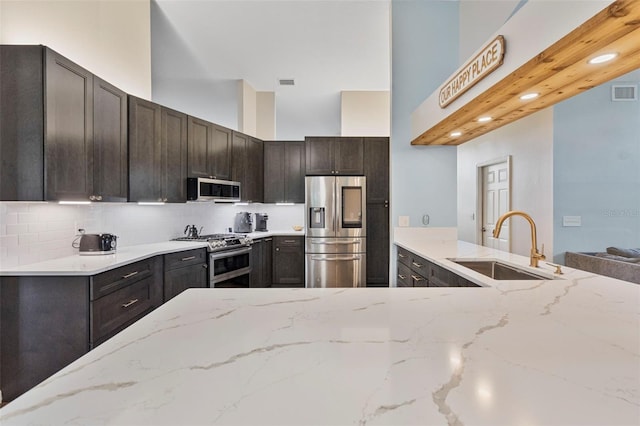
(219, 242)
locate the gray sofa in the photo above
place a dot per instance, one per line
(620, 263)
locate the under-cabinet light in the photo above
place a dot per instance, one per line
(603, 58)
(75, 202)
(284, 204)
(529, 96)
(241, 204)
(455, 134)
(150, 203)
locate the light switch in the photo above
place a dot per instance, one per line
(403, 221)
(571, 220)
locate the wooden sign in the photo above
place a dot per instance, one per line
(490, 58)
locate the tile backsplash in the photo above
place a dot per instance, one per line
(33, 232)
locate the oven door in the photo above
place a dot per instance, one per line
(230, 268)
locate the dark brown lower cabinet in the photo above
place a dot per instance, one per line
(183, 270)
(288, 261)
(261, 262)
(48, 322)
(416, 271)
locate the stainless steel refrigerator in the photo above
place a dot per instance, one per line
(335, 234)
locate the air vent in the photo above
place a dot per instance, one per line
(287, 82)
(626, 92)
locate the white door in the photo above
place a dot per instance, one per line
(495, 202)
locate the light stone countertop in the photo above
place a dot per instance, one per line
(547, 352)
(77, 265)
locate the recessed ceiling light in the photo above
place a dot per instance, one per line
(603, 58)
(455, 134)
(484, 119)
(528, 96)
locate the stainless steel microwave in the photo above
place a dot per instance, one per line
(206, 189)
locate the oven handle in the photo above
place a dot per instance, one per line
(229, 253)
(228, 275)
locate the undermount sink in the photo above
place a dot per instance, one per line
(498, 271)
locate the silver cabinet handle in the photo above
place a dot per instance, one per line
(184, 259)
(417, 265)
(124, 277)
(401, 255)
(417, 277)
(402, 277)
(129, 303)
(268, 239)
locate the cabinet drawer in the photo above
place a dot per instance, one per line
(110, 281)
(404, 256)
(419, 280)
(288, 241)
(184, 258)
(404, 276)
(114, 311)
(419, 265)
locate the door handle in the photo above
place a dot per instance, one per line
(335, 259)
(417, 265)
(184, 259)
(402, 277)
(124, 277)
(330, 243)
(129, 303)
(417, 277)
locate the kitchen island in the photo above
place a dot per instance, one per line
(541, 352)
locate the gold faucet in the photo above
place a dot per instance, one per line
(535, 254)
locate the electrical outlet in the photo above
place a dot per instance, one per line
(403, 221)
(571, 220)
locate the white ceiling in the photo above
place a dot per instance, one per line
(326, 46)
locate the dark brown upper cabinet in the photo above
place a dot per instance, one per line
(209, 150)
(334, 155)
(376, 169)
(157, 152)
(63, 130)
(247, 166)
(284, 171)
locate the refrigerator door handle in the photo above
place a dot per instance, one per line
(334, 259)
(328, 243)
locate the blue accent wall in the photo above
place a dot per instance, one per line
(597, 171)
(424, 49)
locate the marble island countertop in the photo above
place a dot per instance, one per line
(542, 352)
(91, 265)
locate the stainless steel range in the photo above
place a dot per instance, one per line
(229, 259)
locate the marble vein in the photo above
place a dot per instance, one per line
(283, 302)
(110, 387)
(547, 308)
(369, 306)
(440, 395)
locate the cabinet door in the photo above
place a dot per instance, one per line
(239, 160)
(220, 152)
(173, 136)
(68, 129)
(199, 142)
(110, 167)
(348, 156)
(178, 280)
(288, 262)
(274, 172)
(377, 245)
(257, 263)
(404, 276)
(145, 151)
(319, 153)
(376, 169)
(294, 172)
(254, 171)
(267, 262)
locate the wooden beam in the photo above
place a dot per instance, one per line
(558, 73)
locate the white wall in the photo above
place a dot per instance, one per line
(33, 232)
(529, 142)
(247, 105)
(266, 115)
(110, 38)
(365, 113)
